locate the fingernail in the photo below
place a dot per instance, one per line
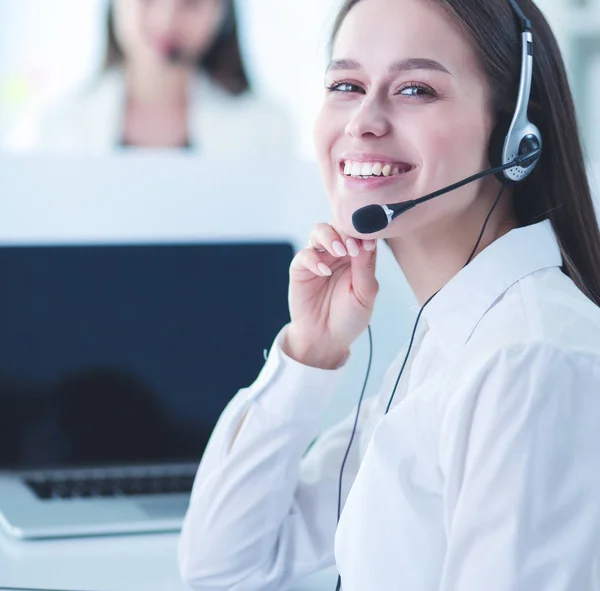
(339, 249)
(323, 268)
(369, 245)
(352, 247)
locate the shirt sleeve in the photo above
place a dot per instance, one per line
(263, 510)
(519, 451)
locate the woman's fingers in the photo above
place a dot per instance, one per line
(324, 242)
(364, 284)
(325, 238)
(369, 245)
(309, 259)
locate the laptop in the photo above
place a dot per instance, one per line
(116, 361)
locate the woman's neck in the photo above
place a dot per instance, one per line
(157, 86)
(156, 108)
(429, 260)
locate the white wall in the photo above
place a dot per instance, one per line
(46, 49)
(286, 44)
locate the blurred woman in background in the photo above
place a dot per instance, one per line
(173, 77)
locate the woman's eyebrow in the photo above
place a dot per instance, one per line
(411, 63)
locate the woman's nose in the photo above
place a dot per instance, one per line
(165, 15)
(368, 119)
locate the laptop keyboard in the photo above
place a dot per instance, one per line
(90, 487)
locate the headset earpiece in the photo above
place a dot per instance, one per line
(497, 140)
(528, 142)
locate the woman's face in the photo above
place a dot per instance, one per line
(150, 30)
(405, 98)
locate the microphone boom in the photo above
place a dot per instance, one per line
(374, 218)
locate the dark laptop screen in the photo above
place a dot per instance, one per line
(117, 354)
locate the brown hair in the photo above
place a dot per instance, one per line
(222, 61)
(558, 188)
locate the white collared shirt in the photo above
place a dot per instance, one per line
(484, 475)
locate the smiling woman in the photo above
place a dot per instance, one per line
(460, 98)
(476, 466)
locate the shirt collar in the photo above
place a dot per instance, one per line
(459, 306)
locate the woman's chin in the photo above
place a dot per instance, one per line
(344, 225)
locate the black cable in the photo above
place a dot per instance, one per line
(360, 400)
(412, 338)
(487, 219)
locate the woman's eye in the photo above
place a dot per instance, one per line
(416, 90)
(343, 87)
(412, 89)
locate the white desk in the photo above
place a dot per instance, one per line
(126, 563)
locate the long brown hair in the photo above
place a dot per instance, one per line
(558, 188)
(222, 61)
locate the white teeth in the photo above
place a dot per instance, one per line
(368, 169)
(356, 169)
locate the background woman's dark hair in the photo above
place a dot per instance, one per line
(558, 188)
(222, 61)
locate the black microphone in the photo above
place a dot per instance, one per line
(373, 218)
(177, 56)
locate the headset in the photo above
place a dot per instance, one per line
(515, 149)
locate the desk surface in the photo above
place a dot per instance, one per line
(126, 563)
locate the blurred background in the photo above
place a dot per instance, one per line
(54, 52)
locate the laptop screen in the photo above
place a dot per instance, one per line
(120, 354)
